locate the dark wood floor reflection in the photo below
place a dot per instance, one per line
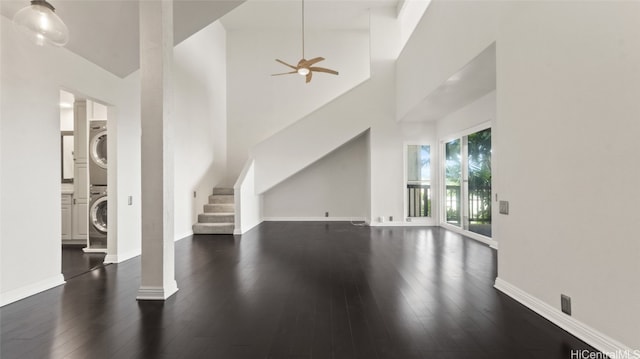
(293, 290)
(75, 261)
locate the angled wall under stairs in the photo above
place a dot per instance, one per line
(219, 213)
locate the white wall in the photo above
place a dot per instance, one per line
(200, 105)
(566, 122)
(260, 105)
(568, 89)
(30, 131)
(368, 106)
(456, 31)
(248, 211)
(337, 184)
(410, 13)
(478, 112)
(66, 119)
(124, 138)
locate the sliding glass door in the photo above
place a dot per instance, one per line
(453, 181)
(467, 178)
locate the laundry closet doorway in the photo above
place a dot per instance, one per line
(84, 166)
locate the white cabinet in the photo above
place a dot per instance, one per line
(66, 216)
(80, 211)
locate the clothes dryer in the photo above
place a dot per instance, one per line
(98, 153)
(98, 217)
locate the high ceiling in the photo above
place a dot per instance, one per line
(474, 80)
(319, 14)
(105, 32)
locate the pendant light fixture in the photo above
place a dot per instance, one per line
(40, 22)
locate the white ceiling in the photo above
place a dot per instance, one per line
(319, 14)
(105, 32)
(474, 80)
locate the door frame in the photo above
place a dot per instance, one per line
(442, 220)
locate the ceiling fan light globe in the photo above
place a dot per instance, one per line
(303, 71)
(41, 24)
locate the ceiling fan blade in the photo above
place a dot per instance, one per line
(322, 69)
(285, 73)
(311, 62)
(286, 64)
(309, 77)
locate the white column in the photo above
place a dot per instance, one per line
(156, 56)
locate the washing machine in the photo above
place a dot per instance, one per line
(98, 217)
(98, 153)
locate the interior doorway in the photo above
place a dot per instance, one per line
(83, 246)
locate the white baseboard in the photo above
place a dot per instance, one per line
(402, 224)
(31, 289)
(240, 231)
(183, 236)
(478, 237)
(157, 293)
(584, 332)
(121, 257)
(314, 219)
(94, 250)
(110, 258)
(74, 241)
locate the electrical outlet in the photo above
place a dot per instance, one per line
(504, 207)
(390, 218)
(565, 304)
(408, 219)
(130, 200)
(194, 194)
(326, 214)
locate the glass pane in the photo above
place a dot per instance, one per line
(418, 163)
(67, 158)
(453, 179)
(480, 182)
(419, 180)
(101, 150)
(101, 217)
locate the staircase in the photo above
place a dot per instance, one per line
(219, 214)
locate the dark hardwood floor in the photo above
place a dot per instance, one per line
(75, 261)
(293, 290)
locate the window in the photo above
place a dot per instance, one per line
(419, 180)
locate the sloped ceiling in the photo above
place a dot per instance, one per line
(105, 32)
(474, 80)
(319, 14)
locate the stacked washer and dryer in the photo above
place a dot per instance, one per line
(98, 184)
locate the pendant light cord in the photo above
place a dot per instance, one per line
(303, 29)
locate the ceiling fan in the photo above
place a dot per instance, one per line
(305, 67)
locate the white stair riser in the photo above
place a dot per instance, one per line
(215, 218)
(221, 198)
(217, 208)
(200, 228)
(223, 191)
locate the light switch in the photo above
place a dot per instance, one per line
(504, 207)
(130, 201)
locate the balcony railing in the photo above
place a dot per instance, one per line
(479, 204)
(419, 200)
